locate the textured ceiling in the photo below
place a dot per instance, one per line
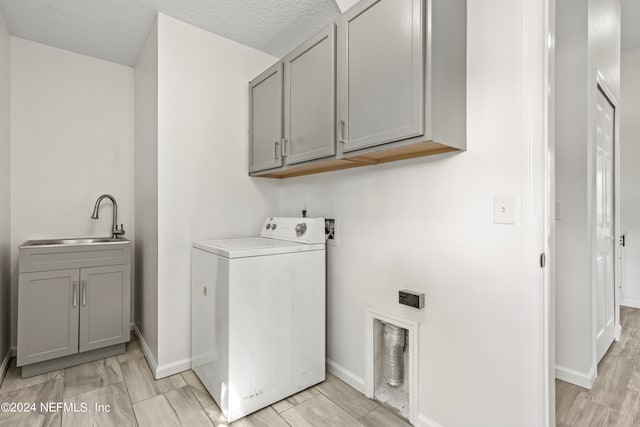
(630, 24)
(115, 30)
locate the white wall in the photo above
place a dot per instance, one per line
(146, 191)
(72, 140)
(204, 191)
(573, 288)
(630, 174)
(427, 224)
(588, 37)
(5, 189)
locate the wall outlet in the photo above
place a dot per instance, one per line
(330, 231)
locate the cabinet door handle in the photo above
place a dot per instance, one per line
(342, 129)
(84, 293)
(75, 294)
(275, 150)
(285, 147)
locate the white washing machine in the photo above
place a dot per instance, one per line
(258, 314)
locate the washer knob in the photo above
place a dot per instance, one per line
(301, 229)
(268, 226)
(273, 226)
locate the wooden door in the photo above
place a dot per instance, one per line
(265, 120)
(604, 235)
(104, 306)
(309, 91)
(47, 315)
(380, 73)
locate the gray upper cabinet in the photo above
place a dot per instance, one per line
(380, 73)
(265, 120)
(47, 315)
(104, 306)
(400, 90)
(309, 99)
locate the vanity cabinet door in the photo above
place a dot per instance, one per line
(309, 99)
(48, 304)
(265, 120)
(380, 73)
(104, 306)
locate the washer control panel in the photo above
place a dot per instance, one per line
(303, 230)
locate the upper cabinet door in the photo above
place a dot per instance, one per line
(265, 120)
(309, 90)
(380, 73)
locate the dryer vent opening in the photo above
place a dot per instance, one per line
(392, 376)
(393, 356)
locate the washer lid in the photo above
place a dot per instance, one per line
(254, 246)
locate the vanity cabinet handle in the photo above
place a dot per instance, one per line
(84, 293)
(75, 294)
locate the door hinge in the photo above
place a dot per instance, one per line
(543, 260)
(623, 240)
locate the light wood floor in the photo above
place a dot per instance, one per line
(126, 383)
(614, 400)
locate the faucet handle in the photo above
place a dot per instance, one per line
(119, 231)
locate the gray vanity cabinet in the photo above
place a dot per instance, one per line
(265, 120)
(48, 315)
(380, 73)
(309, 99)
(104, 306)
(73, 303)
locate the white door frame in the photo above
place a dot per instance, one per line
(537, 190)
(598, 82)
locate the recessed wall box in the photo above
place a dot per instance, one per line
(411, 298)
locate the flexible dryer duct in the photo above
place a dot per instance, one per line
(393, 355)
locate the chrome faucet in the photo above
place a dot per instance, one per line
(115, 231)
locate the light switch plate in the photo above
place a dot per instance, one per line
(504, 209)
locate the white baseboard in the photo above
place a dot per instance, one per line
(574, 377)
(14, 351)
(424, 421)
(173, 368)
(345, 375)
(132, 327)
(633, 303)
(618, 332)
(4, 366)
(161, 371)
(146, 351)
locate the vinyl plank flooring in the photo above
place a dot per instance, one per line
(302, 396)
(349, 399)
(187, 408)
(155, 412)
(382, 417)
(13, 381)
(142, 385)
(133, 351)
(266, 417)
(119, 412)
(319, 411)
(216, 416)
(198, 390)
(90, 376)
(282, 405)
(614, 399)
(43, 392)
